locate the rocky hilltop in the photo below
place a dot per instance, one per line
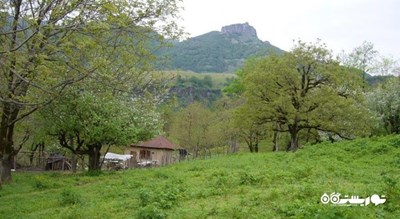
(243, 29)
(218, 51)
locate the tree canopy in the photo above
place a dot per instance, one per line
(306, 89)
(47, 46)
(385, 102)
(83, 122)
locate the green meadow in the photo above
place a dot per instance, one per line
(243, 185)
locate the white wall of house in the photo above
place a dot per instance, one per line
(140, 154)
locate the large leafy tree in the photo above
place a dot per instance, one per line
(306, 89)
(43, 48)
(85, 121)
(385, 102)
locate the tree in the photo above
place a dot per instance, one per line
(250, 128)
(385, 102)
(84, 121)
(387, 66)
(362, 58)
(236, 86)
(191, 127)
(223, 131)
(43, 45)
(306, 89)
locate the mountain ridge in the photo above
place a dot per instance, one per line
(218, 51)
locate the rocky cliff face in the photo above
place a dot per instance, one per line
(243, 29)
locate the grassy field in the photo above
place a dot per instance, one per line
(265, 185)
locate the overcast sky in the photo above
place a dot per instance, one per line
(341, 24)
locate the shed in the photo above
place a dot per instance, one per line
(57, 162)
(158, 151)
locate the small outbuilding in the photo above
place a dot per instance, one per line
(157, 151)
(57, 162)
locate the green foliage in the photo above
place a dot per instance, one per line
(191, 127)
(90, 117)
(305, 89)
(50, 45)
(196, 88)
(385, 102)
(86, 118)
(244, 185)
(237, 87)
(200, 129)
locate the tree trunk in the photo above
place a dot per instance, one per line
(293, 130)
(94, 156)
(32, 154)
(73, 155)
(42, 156)
(249, 143)
(275, 141)
(10, 111)
(5, 168)
(256, 147)
(234, 146)
(6, 142)
(73, 162)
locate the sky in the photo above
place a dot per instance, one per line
(341, 24)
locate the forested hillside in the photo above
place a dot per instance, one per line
(217, 51)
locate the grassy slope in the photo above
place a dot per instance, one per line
(266, 185)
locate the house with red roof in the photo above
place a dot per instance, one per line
(157, 151)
